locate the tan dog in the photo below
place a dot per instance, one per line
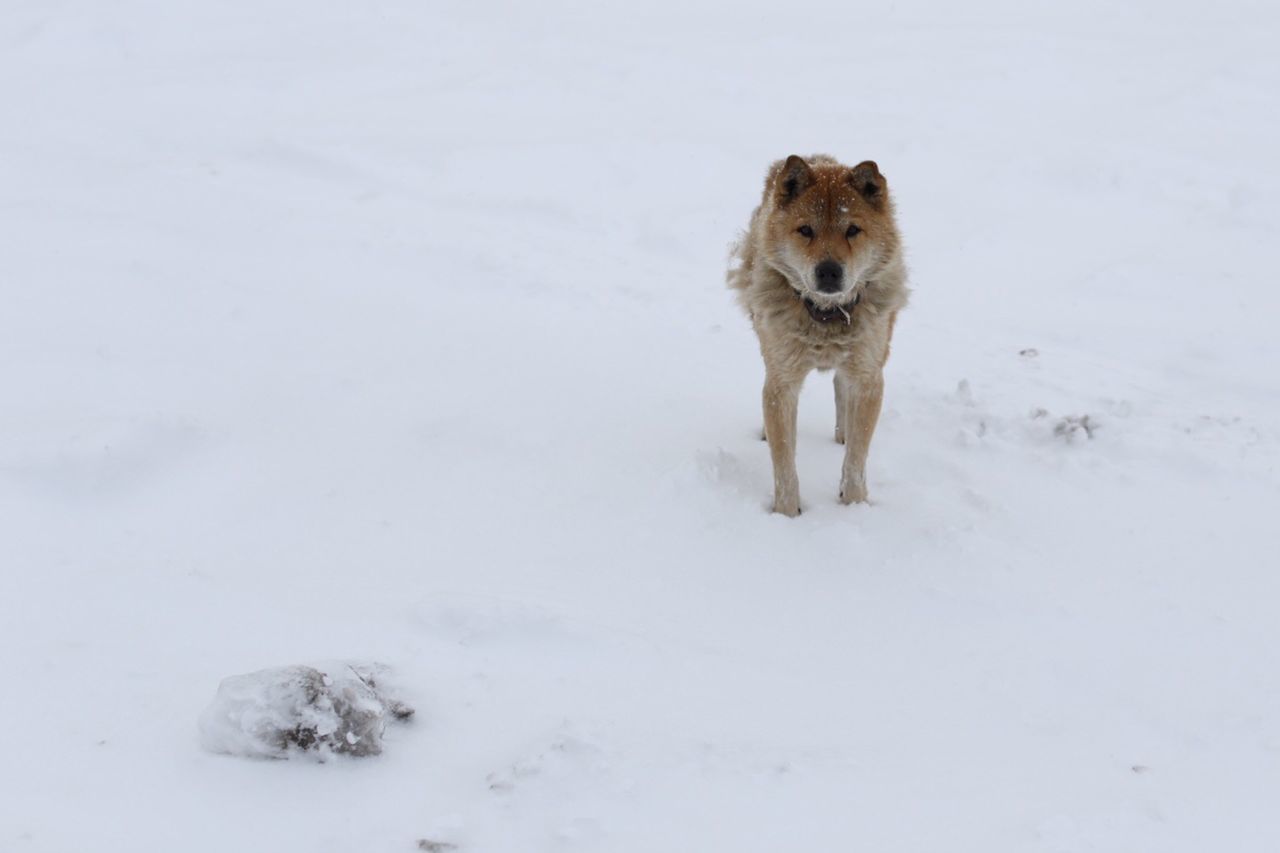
(822, 277)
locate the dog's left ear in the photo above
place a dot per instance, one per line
(870, 184)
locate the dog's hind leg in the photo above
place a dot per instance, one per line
(781, 400)
(842, 401)
(861, 411)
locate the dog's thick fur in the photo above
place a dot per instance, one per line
(821, 275)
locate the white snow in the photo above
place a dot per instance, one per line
(397, 330)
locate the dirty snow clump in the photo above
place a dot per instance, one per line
(323, 710)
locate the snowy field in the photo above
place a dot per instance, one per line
(397, 331)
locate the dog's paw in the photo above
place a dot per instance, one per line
(789, 508)
(839, 436)
(853, 490)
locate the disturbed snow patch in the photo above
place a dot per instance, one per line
(338, 708)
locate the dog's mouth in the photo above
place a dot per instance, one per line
(830, 300)
(835, 308)
(830, 311)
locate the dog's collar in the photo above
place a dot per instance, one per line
(843, 313)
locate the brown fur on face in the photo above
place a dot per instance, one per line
(823, 297)
(815, 204)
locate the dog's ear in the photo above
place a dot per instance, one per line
(793, 178)
(870, 184)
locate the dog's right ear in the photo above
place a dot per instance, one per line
(793, 178)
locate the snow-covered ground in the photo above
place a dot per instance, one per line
(397, 331)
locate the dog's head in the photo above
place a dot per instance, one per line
(829, 227)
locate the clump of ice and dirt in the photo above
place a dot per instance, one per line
(330, 709)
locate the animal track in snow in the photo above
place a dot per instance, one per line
(565, 755)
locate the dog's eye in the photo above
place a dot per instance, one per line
(805, 231)
(853, 231)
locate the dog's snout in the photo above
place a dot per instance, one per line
(829, 276)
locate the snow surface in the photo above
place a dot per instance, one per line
(397, 330)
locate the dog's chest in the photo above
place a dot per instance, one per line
(822, 346)
(829, 350)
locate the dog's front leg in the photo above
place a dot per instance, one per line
(842, 403)
(781, 399)
(863, 396)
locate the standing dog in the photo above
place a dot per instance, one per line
(820, 273)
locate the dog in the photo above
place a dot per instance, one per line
(820, 273)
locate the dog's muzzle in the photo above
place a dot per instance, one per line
(832, 314)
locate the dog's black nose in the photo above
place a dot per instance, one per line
(828, 275)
